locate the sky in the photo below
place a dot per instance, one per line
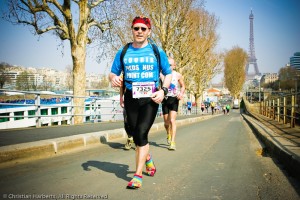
(276, 29)
(276, 37)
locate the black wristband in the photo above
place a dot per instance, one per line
(166, 90)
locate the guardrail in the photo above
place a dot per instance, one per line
(40, 109)
(283, 108)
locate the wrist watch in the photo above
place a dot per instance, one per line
(166, 90)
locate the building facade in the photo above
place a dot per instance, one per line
(269, 78)
(45, 78)
(295, 61)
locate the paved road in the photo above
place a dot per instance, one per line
(215, 159)
(24, 135)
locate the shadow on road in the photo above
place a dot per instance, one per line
(159, 145)
(119, 170)
(115, 145)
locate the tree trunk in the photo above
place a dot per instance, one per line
(197, 97)
(78, 56)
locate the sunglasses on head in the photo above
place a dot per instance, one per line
(138, 28)
(145, 19)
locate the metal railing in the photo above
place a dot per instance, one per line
(40, 109)
(36, 109)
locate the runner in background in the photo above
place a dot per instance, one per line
(227, 109)
(202, 107)
(129, 141)
(224, 109)
(212, 106)
(171, 102)
(189, 107)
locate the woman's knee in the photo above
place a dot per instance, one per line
(166, 124)
(172, 121)
(141, 138)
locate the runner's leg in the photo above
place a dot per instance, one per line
(142, 123)
(173, 115)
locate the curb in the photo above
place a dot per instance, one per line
(258, 145)
(275, 145)
(51, 147)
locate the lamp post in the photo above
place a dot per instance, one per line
(296, 87)
(259, 91)
(247, 89)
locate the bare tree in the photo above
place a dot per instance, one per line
(4, 76)
(120, 32)
(104, 82)
(184, 30)
(235, 61)
(72, 20)
(23, 81)
(69, 77)
(288, 76)
(203, 63)
(169, 20)
(47, 83)
(101, 84)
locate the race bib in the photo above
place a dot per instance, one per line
(142, 89)
(172, 92)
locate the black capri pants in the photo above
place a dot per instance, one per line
(141, 114)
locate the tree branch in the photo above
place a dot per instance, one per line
(103, 26)
(96, 3)
(35, 7)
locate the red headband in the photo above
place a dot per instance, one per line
(143, 20)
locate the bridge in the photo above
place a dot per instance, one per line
(244, 155)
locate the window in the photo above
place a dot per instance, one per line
(6, 119)
(44, 111)
(54, 111)
(31, 113)
(64, 110)
(20, 113)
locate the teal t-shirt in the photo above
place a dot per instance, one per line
(140, 65)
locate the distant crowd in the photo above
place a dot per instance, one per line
(32, 101)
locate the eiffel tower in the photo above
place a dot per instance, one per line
(251, 59)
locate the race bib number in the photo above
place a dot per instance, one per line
(142, 89)
(172, 92)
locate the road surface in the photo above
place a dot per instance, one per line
(215, 159)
